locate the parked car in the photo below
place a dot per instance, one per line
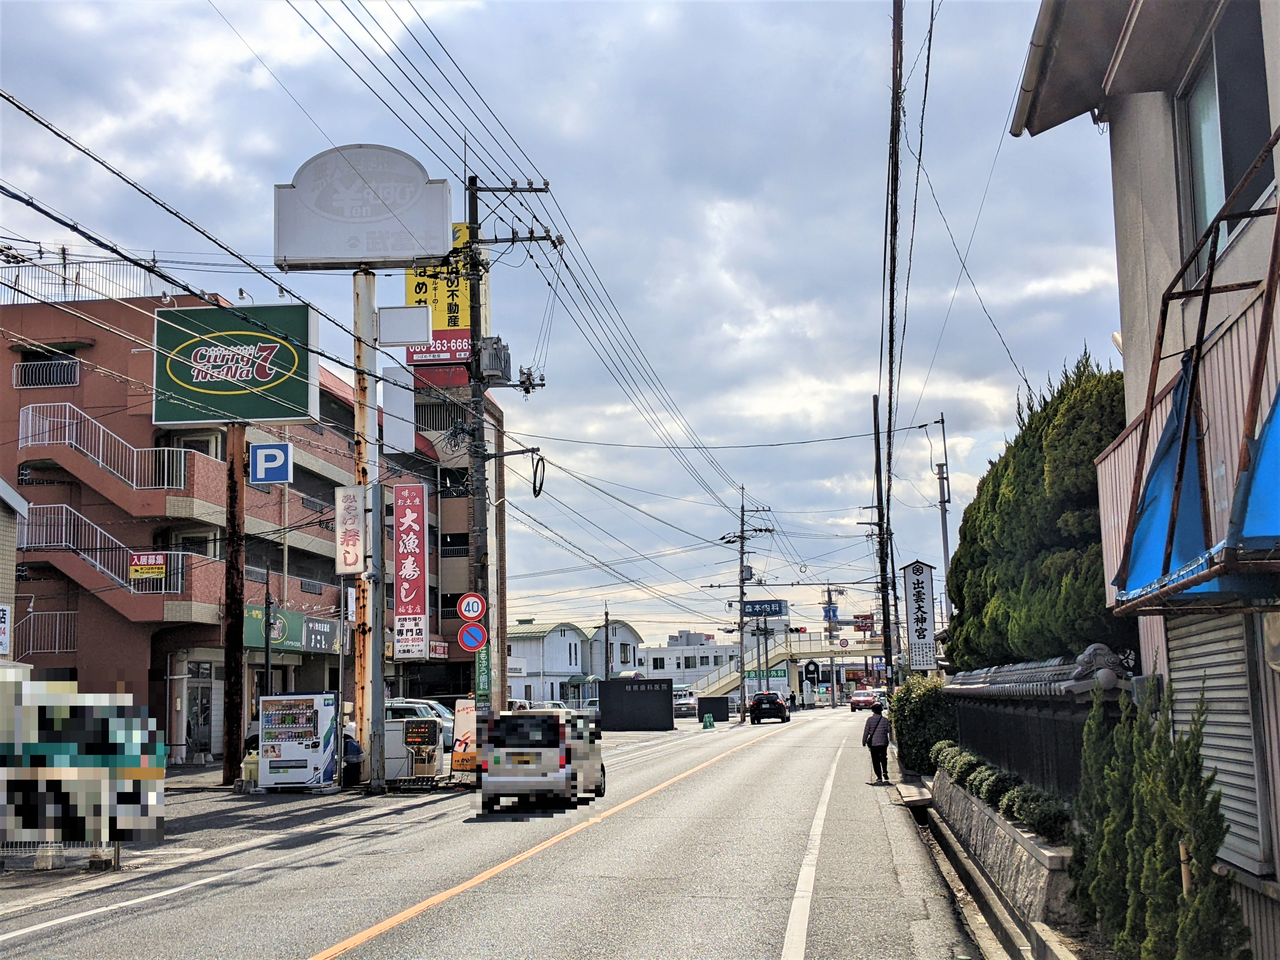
(769, 704)
(686, 707)
(591, 706)
(446, 718)
(550, 705)
(513, 705)
(861, 700)
(540, 755)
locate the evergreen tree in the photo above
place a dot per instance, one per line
(1090, 806)
(1210, 925)
(1138, 839)
(1027, 579)
(1109, 890)
(1161, 880)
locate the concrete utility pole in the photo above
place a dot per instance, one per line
(742, 605)
(606, 640)
(233, 610)
(882, 551)
(944, 498)
(370, 607)
(267, 685)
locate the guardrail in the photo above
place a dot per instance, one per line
(145, 468)
(45, 633)
(59, 527)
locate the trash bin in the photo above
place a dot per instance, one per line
(249, 770)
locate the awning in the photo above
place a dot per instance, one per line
(1255, 520)
(579, 679)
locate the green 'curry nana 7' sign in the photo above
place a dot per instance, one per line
(214, 365)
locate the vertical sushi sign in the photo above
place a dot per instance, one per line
(410, 531)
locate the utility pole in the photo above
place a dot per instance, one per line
(882, 552)
(370, 607)
(267, 685)
(606, 640)
(233, 610)
(944, 498)
(742, 605)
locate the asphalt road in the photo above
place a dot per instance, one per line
(761, 841)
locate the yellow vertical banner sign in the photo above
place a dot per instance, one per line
(446, 293)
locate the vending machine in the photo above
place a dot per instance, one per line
(298, 740)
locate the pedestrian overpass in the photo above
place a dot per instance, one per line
(798, 647)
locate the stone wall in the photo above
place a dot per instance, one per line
(1030, 875)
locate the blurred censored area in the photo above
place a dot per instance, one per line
(541, 758)
(77, 766)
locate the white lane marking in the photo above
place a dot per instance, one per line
(69, 918)
(793, 945)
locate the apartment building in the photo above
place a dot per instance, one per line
(687, 657)
(108, 490)
(1189, 94)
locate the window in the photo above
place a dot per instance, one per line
(704, 661)
(1225, 120)
(626, 652)
(690, 662)
(717, 660)
(659, 663)
(733, 657)
(639, 661)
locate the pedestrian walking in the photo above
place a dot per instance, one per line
(792, 700)
(876, 736)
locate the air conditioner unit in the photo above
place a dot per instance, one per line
(495, 360)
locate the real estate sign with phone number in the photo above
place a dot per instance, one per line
(243, 363)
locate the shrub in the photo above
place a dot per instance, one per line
(998, 786)
(978, 779)
(937, 749)
(922, 715)
(1046, 816)
(960, 764)
(1010, 802)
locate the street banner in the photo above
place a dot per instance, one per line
(6, 622)
(464, 735)
(409, 529)
(147, 566)
(245, 363)
(922, 651)
(446, 293)
(349, 505)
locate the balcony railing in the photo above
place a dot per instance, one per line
(46, 373)
(45, 633)
(59, 527)
(146, 468)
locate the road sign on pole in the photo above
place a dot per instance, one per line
(473, 637)
(271, 463)
(471, 606)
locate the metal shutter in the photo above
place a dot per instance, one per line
(1212, 653)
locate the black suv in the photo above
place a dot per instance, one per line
(769, 704)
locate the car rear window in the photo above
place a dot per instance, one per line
(524, 732)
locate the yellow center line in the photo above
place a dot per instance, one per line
(364, 936)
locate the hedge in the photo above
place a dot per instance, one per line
(922, 716)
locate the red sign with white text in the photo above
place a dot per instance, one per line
(449, 346)
(410, 534)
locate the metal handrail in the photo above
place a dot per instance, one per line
(145, 468)
(59, 527)
(47, 632)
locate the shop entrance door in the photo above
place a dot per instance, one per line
(199, 707)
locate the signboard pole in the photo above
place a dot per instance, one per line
(368, 643)
(268, 688)
(233, 610)
(378, 608)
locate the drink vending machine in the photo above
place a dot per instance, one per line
(298, 740)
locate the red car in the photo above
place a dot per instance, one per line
(861, 700)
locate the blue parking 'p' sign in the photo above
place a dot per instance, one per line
(271, 463)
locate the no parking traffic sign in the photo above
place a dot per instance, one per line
(471, 606)
(473, 637)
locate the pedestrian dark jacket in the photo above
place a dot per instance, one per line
(876, 732)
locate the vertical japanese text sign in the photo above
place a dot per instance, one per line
(410, 532)
(918, 589)
(349, 507)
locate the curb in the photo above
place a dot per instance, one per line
(1019, 939)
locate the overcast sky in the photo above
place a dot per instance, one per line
(723, 166)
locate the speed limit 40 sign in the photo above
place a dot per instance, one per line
(471, 606)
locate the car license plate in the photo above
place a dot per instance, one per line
(522, 759)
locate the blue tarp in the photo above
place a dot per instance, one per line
(1146, 557)
(1257, 501)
